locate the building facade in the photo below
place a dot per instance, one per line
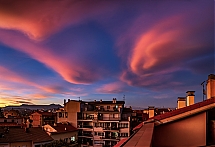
(100, 123)
(41, 118)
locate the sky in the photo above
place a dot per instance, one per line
(147, 53)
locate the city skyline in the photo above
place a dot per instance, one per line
(146, 52)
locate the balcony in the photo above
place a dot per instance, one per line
(85, 134)
(111, 128)
(85, 118)
(125, 118)
(85, 126)
(106, 110)
(110, 137)
(109, 118)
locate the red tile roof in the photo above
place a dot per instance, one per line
(36, 135)
(185, 109)
(62, 128)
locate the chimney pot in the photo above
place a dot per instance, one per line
(151, 111)
(190, 97)
(190, 93)
(181, 102)
(210, 86)
(100, 100)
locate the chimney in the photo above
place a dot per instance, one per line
(210, 86)
(94, 100)
(151, 111)
(64, 101)
(100, 100)
(181, 102)
(190, 97)
(68, 100)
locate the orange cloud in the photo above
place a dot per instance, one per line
(71, 71)
(8, 76)
(116, 87)
(39, 19)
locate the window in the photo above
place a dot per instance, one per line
(5, 120)
(60, 115)
(124, 134)
(73, 138)
(108, 107)
(123, 125)
(100, 134)
(66, 139)
(114, 115)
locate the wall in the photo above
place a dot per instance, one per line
(4, 144)
(186, 132)
(21, 144)
(16, 120)
(72, 107)
(36, 117)
(65, 135)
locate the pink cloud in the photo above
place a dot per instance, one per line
(164, 49)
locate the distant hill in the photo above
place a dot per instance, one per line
(34, 107)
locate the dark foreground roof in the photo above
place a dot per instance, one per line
(36, 135)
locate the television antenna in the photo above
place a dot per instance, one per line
(203, 90)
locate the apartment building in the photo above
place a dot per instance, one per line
(42, 118)
(100, 123)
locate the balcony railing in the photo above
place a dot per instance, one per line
(110, 128)
(110, 118)
(85, 118)
(85, 126)
(85, 134)
(110, 137)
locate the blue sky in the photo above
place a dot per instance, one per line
(150, 51)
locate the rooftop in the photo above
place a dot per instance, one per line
(63, 127)
(18, 134)
(184, 109)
